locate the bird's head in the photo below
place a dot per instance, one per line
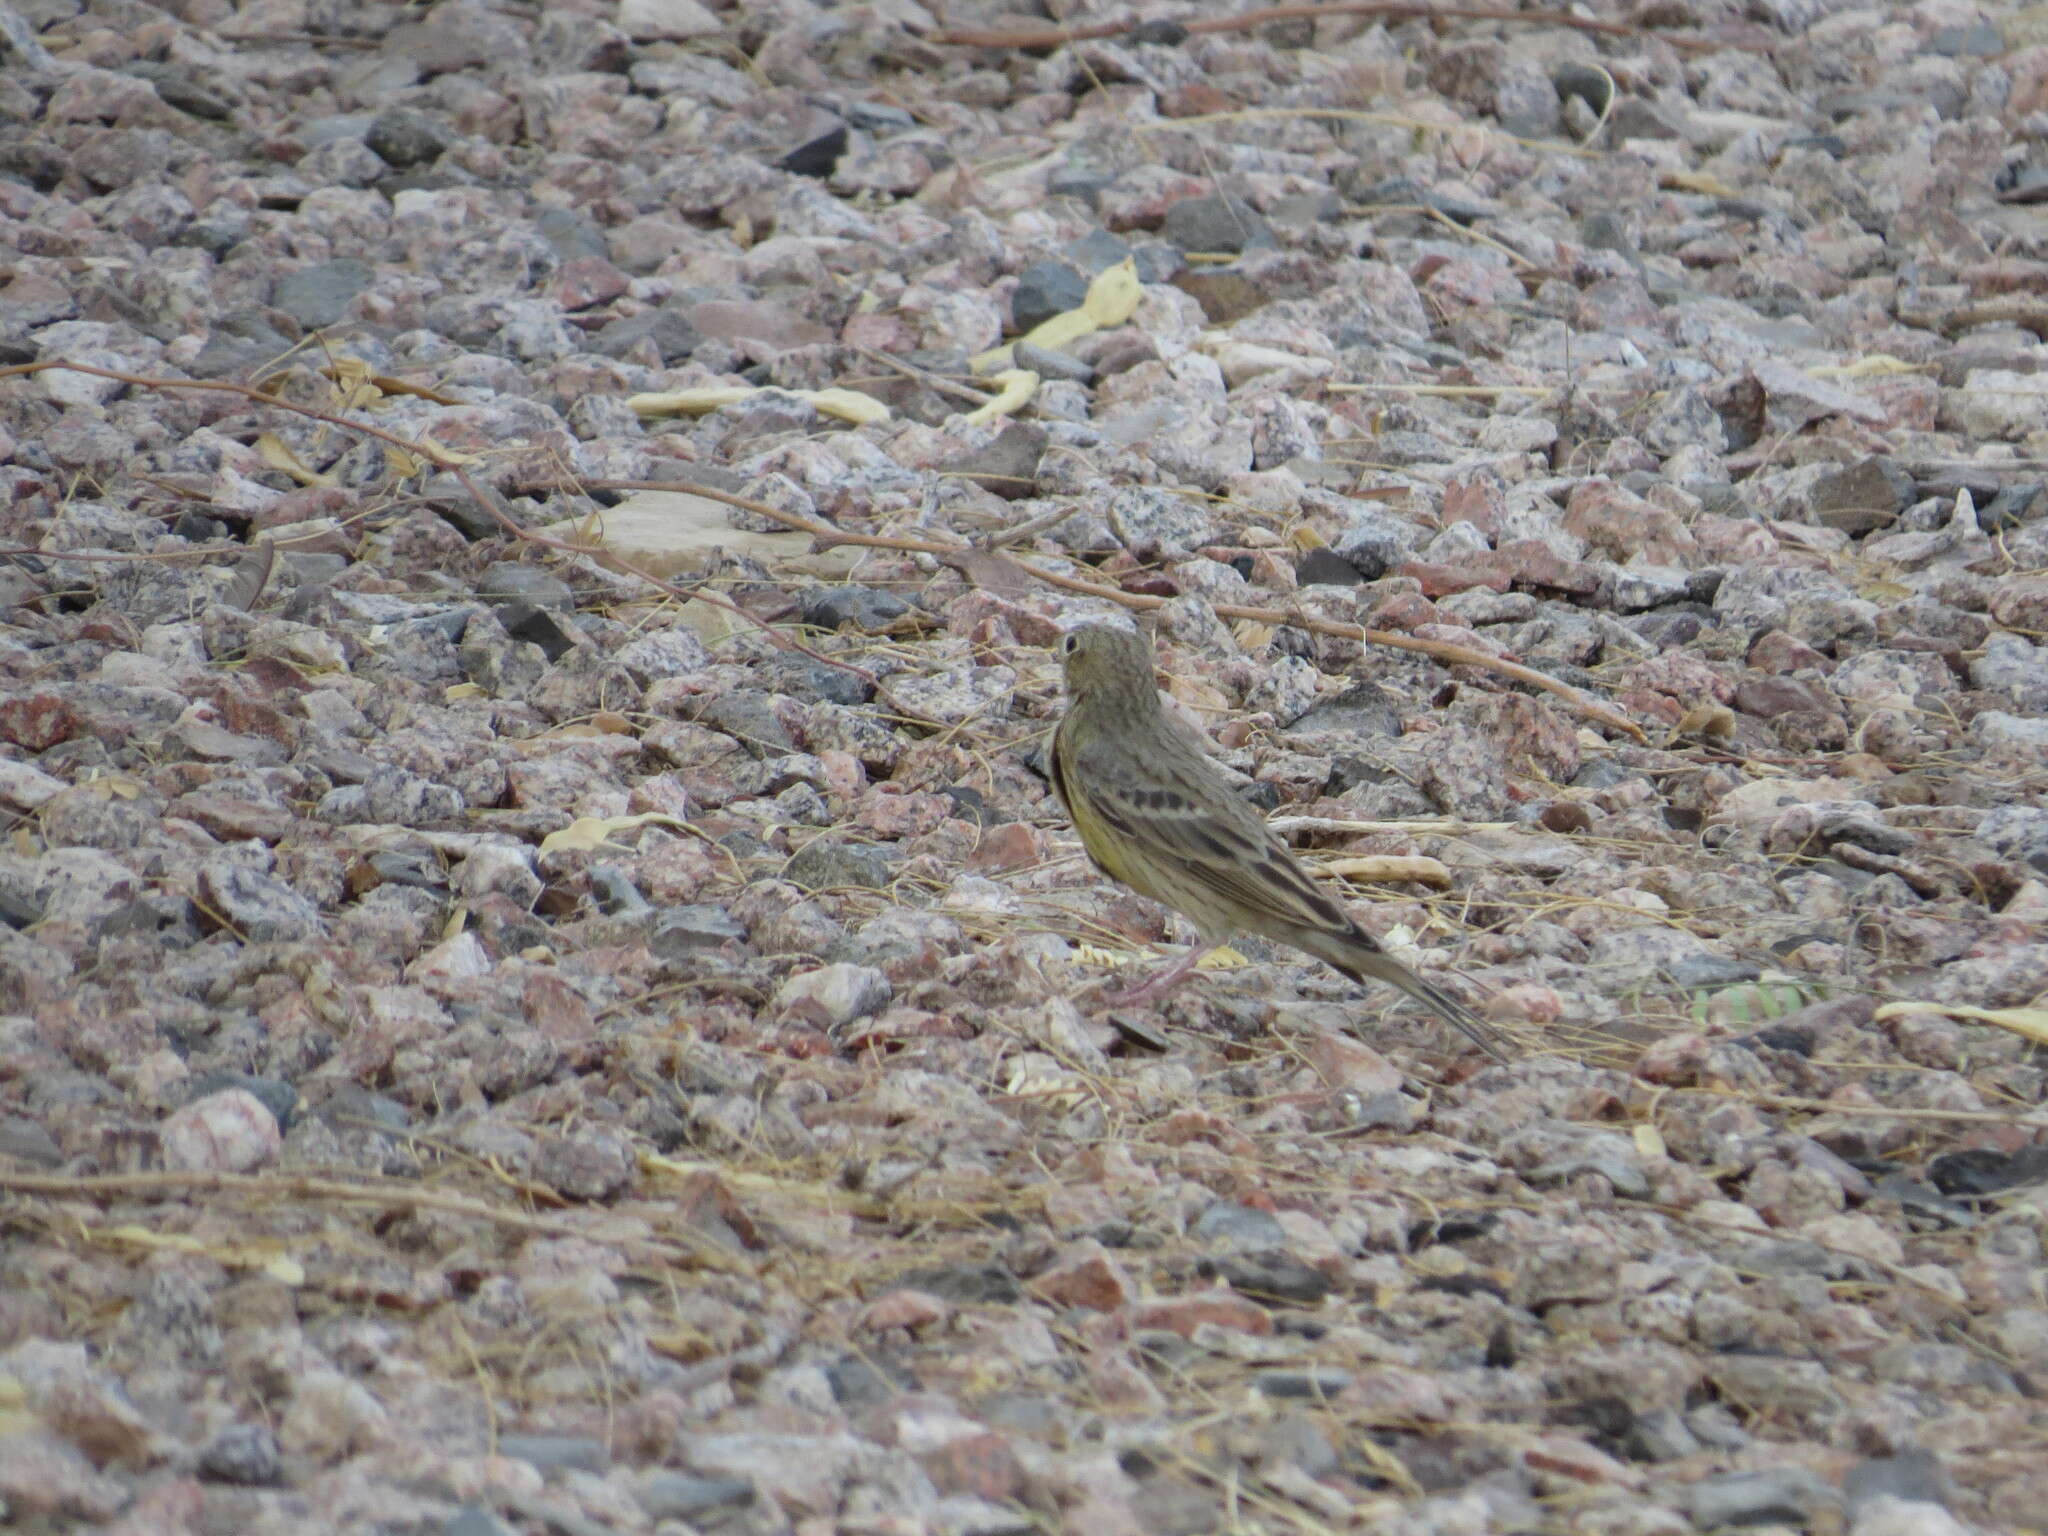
(1108, 662)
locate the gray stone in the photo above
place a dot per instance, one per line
(1976, 39)
(1007, 463)
(1778, 1495)
(1697, 971)
(1634, 588)
(1324, 567)
(2012, 506)
(1239, 1228)
(866, 608)
(1606, 1156)
(615, 893)
(1913, 1476)
(1794, 1257)
(555, 1453)
(570, 233)
(405, 138)
(243, 1454)
(671, 335)
(1595, 87)
(749, 716)
(1660, 1435)
(1363, 710)
(1045, 289)
(688, 929)
(256, 906)
(595, 1163)
(1525, 101)
(825, 864)
(1156, 524)
(665, 653)
(834, 995)
(391, 796)
(1077, 178)
(29, 1140)
(683, 1496)
(1048, 364)
(513, 581)
(1218, 223)
(1862, 498)
(1322, 1385)
(320, 295)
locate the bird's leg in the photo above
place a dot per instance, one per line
(1158, 985)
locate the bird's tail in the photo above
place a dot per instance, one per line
(1359, 956)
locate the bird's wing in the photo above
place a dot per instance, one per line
(1182, 814)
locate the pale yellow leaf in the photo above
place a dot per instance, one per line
(589, 834)
(456, 691)
(1114, 295)
(275, 452)
(1695, 181)
(1018, 385)
(1877, 365)
(847, 405)
(1716, 721)
(1650, 1141)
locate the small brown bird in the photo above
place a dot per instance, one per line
(1154, 813)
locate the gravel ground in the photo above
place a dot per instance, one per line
(543, 987)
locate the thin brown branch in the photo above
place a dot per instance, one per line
(1451, 655)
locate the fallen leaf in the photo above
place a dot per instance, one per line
(1018, 385)
(590, 834)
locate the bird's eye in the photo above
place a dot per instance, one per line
(1069, 644)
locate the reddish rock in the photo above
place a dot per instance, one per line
(1195, 99)
(304, 505)
(2021, 602)
(556, 1009)
(904, 1308)
(1481, 570)
(1088, 1277)
(587, 281)
(1767, 697)
(982, 1465)
(232, 818)
(1533, 563)
(1403, 611)
(1623, 526)
(1578, 1462)
(1014, 845)
(1184, 1314)
(1680, 676)
(38, 721)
